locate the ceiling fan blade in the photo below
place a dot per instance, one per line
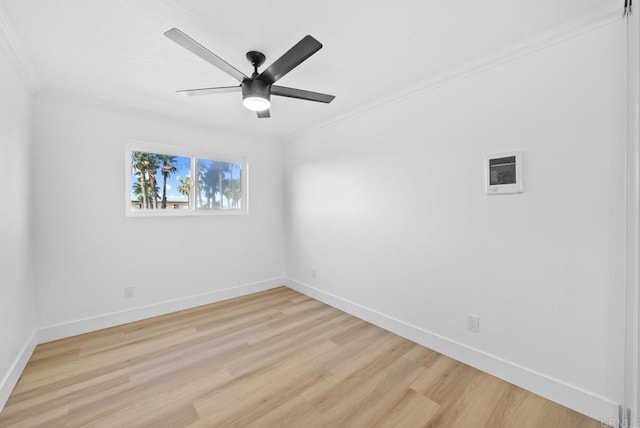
(263, 114)
(301, 94)
(192, 46)
(209, 91)
(291, 59)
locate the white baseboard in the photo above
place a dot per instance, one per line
(582, 401)
(570, 396)
(86, 325)
(15, 371)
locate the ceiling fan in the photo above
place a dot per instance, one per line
(257, 89)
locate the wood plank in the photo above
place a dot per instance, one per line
(275, 358)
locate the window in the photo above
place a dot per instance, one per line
(219, 185)
(166, 180)
(159, 180)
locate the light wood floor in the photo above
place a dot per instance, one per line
(276, 358)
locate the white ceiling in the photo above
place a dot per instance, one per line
(114, 50)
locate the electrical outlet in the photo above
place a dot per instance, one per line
(473, 323)
(314, 273)
(129, 293)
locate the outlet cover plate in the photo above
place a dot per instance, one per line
(473, 323)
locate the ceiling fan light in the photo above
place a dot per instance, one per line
(256, 103)
(256, 94)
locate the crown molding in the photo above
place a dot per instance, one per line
(11, 46)
(601, 16)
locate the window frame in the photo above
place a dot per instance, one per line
(194, 155)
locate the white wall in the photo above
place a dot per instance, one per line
(87, 251)
(390, 209)
(17, 319)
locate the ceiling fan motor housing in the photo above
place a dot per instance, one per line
(255, 89)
